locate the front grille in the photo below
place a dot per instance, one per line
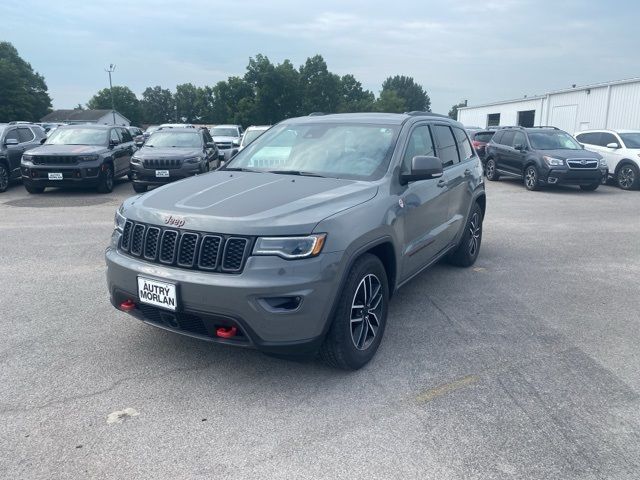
(185, 249)
(163, 163)
(54, 160)
(224, 145)
(582, 163)
(181, 321)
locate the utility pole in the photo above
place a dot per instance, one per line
(110, 70)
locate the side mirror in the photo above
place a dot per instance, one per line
(11, 141)
(113, 143)
(422, 168)
(42, 140)
(613, 145)
(236, 143)
(521, 147)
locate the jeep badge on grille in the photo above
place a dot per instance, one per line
(174, 221)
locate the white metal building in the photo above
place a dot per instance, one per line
(614, 105)
(99, 117)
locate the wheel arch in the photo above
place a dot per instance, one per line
(623, 162)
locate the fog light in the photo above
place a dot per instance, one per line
(552, 180)
(281, 303)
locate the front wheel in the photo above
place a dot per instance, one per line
(4, 178)
(33, 189)
(360, 318)
(468, 249)
(531, 178)
(628, 177)
(139, 188)
(589, 188)
(106, 182)
(490, 170)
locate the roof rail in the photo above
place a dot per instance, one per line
(418, 113)
(520, 126)
(19, 123)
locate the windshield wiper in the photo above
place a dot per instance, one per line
(297, 172)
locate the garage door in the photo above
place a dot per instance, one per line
(564, 117)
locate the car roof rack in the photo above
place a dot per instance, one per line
(418, 113)
(20, 122)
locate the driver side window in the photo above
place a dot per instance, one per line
(420, 143)
(12, 135)
(113, 137)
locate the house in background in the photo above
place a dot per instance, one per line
(97, 117)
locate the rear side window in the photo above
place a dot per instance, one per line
(497, 137)
(420, 143)
(462, 141)
(447, 150)
(591, 138)
(606, 138)
(519, 139)
(25, 135)
(507, 138)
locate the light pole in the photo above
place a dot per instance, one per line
(110, 70)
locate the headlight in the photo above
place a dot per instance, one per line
(87, 158)
(120, 219)
(603, 163)
(26, 157)
(290, 247)
(553, 162)
(192, 160)
(135, 159)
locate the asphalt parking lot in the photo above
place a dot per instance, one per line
(525, 366)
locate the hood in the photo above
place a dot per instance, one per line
(225, 139)
(247, 203)
(168, 152)
(565, 154)
(67, 150)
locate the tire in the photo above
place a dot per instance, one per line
(33, 189)
(4, 178)
(531, 178)
(589, 188)
(139, 188)
(130, 176)
(628, 177)
(106, 182)
(490, 170)
(468, 249)
(353, 337)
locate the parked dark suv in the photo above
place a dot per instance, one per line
(73, 155)
(173, 154)
(543, 156)
(15, 139)
(298, 243)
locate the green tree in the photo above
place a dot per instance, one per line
(320, 88)
(353, 98)
(414, 96)
(187, 100)
(233, 102)
(453, 113)
(23, 92)
(390, 102)
(124, 100)
(157, 105)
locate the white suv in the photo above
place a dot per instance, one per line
(620, 149)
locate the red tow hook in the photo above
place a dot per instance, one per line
(226, 332)
(127, 305)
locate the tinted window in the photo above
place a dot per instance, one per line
(483, 136)
(591, 138)
(420, 143)
(126, 136)
(207, 136)
(606, 138)
(447, 150)
(13, 134)
(556, 140)
(631, 140)
(25, 135)
(497, 137)
(507, 138)
(519, 139)
(464, 147)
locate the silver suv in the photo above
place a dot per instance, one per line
(297, 245)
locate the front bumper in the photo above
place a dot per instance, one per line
(569, 176)
(226, 154)
(211, 300)
(147, 176)
(82, 173)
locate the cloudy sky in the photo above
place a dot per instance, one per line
(467, 49)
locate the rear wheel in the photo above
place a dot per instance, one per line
(531, 178)
(628, 177)
(360, 318)
(4, 177)
(589, 188)
(139, 188)
(490, 170)
(33, 189)
(467, 251)
(106, 182)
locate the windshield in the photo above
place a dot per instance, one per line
(250, 136)
(353, 151)
(631, 140)
(174, 139)
(553, 141)
(78, 136)
(224, 132)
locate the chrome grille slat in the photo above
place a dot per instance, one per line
(163, 163)
(185, 249)
(582, 163)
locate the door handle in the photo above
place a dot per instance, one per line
(442, 184)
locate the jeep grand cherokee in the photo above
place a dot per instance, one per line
(299, 242)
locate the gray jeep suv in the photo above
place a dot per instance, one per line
(299, 242)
